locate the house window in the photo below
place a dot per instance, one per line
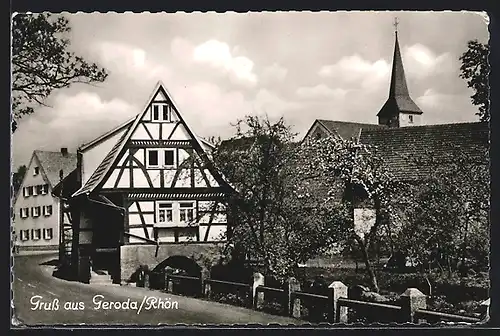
(410, 119)
(161, 113)
(23, 212)
(175, 212)
(153, 159)
(48, 234)
(35, 211)
(24, 235)
(47, 210)
(34, 190)
(36, 171)
(39, 189)
(45, 189)
(165, 212)
(169, 158)
(26, 192)
(186, 212)
(36, 234)
(161, 158)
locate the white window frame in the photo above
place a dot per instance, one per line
(161, 107)
(149, 166)
(24, 235)
(35, 211)
(24, 212)
(174, 165)
(46, 210)
(162, 208)
(161, 158)
(184, 210)
(178, 212)
(46, 234)
(35, 236)
(36, 171)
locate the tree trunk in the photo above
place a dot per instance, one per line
(368, 266)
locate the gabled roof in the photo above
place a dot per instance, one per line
(51, 163)
(345, 129)
(106, 135)
(399, 97)
(102, 170)
(400, 146)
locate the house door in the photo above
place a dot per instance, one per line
(106, 240)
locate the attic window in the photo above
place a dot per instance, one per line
(161, 158)
(410, 119)
(160, 112)
(36, 171)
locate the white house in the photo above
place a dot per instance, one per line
(35, 209)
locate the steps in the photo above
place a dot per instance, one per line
(100, 278)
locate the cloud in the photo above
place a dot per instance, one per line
(320, 91)
(441, 108)
(274, 73)
(357, 71)
(420, 62)
(128, 60)
(218, 55)
(72, 121)
(270, 103)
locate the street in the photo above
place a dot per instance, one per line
(41, 299)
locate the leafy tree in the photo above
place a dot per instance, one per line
(42, 62)
(272, 223)
(475, 70)
(448, 217)
(17, 178)
(353, 175)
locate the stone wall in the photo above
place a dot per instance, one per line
(132, 256)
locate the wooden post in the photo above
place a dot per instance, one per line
(412, 300)
(258, 298)
(146, 280)
(337, 313)
(293, 303)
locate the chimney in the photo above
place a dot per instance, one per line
(64, 151)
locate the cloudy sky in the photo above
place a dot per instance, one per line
(220, 67)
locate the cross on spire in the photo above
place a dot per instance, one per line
(396, 23)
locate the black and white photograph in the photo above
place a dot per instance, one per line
(264, 168)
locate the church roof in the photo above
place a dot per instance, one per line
(399, 97)
(399, 147)
(345, 129)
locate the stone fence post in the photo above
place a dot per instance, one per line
(336, 313)
(169, 284)
(292, 302)
(207, 290)
(257, 298)
(412, 300)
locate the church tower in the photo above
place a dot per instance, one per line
(399, 110)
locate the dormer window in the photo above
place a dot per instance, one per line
(410, 119)
(160, 112)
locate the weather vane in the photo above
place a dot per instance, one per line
(396, 23)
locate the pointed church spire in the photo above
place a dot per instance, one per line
(399, 104)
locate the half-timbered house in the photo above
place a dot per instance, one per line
(145, 191)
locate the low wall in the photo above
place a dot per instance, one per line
(132, 256)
